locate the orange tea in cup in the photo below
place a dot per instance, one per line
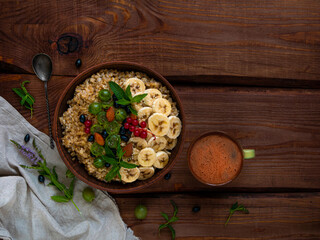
(215, 158)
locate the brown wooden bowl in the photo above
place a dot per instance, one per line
(78, 169)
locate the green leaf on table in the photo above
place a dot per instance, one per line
(173, 232)
(138, 98)
(127, 165)
(57, 198)
(162, 226)
(30, 167)
(123, 102)
(236, 207)
(117, 90)
(174, 207)
(19, 92)
(173, 219)
(71, 186)
(165, 216)
(54, 172)
(69, 174)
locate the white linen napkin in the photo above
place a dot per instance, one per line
(26, 209)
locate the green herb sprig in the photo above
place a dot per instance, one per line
(174, 218)
(27, 100)
(41, 166)
(125, 97)
(116, 162)
(236, 207)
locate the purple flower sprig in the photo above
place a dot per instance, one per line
(27, 152)
(40, 164)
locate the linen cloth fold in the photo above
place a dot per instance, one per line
(26, 209)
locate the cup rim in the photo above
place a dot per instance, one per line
(221, 133)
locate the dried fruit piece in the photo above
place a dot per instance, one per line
(110, 114)
(99, 139)
(128, 150)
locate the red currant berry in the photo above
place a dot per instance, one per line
(87, 130)
(126, 125)
(143, 134)
(143, 124)
(129, 120)
(136, 133)
(131, 128)
(135, 122)
(88, 123)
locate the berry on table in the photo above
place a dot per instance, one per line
(196, 209)
(167, 176)
(78, 63)
(41, 178)
(27, 138)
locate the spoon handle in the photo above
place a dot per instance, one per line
(48, 112)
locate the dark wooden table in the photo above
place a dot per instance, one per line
(249, 68)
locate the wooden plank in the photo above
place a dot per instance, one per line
(272, 216)
(264, 39)
(283, 125)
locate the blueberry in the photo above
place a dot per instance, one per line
(122, 131)
(114, 151)
(104, 134)
(82, 118)
(27, 138)
(124, 138)
(78, 63)
(167, 176)
(122, 106)
(41, 178)
(114, 97)
(127, 109)
(107, 165)
(92, 155)
(116, 105)
(196, 209)
(91, 138)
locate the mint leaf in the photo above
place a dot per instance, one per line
(112, 161)
(109, 152)
(117, 90)
(138, 98)
(113, 172)
(19, 92)
(174, 207)
(133, 110)
(128, 92)
(69, 174)
(123, 102)
(127, 165)
(235, 207)
(173, 232)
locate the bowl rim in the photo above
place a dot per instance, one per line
(209, 133)
(110, 65)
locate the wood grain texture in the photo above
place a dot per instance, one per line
(265, 39)
(282, 125)
(272, 216)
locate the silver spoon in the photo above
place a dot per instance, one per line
(42, 67)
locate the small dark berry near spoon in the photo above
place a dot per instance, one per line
(167, 176)
(78, 63)
(82, 118)
(41, 178)
(196, 209)
(27, 138)
(91, 138)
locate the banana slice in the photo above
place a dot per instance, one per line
(138, 143)
(136, 86)
(153, 94)
(149, 135)
(162, 105)
(135, 154)
(147, 157)
(175, 127)
(159, 124)
(144, 113)
(158, 143)
(145, 173)
(129, 175)
(137, 106)
(162, 160)
(132, 159)
(171, 143)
